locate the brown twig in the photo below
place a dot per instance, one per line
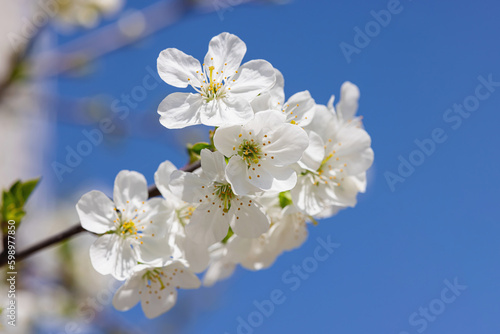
(72, 231)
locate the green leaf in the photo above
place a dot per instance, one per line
(15, 190)
(200, 146)
(13, 201)
(28, 187)
(285, 199)
(194, 151)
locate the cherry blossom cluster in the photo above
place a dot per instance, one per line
(273, 167)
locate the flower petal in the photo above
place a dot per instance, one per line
(208, 225)
(227, 111)
(322, 121)
(101, 253)
(226, 139)
(179, 110)
(249, 221)
(187, 186)
(127, 296)
(175, 68)
(358, 163)
(262, 102)
(345, 193)
(261, 256)
(236, 172)
(300, 108)
(288, 143)
(252, 254)
(154, 251)
(97, 212)
(155, 216)
(272, 99)
(213, 165)
(330, 106)
(360, 181)
(238, 248)
(130, 191)
(195, 254)
(272, 178)
(182, 277)
(253, 78)
(353, 149)
(330, 211)
(162, 178)
(225, 53)
(290, 232)
(218, 270)
(265, 122)
(277, 92)
(156, 304)
(348, 104)
(309, 197)
(111, 254)
(221, 266)
(314, 154)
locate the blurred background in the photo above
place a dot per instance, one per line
(78, 98)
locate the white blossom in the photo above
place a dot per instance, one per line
(218, 207)
(276, 166)
(221, 264)
(298, 109)
(195, 255)
(155, 287)
(261, 152)
(224, 89)
(332, 170)
(130, 228)
(288, 231)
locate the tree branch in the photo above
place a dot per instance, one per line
(72, 231)
(16, 62)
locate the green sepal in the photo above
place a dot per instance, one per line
(229, 235)
(285, 199)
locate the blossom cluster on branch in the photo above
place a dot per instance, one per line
(274, 165)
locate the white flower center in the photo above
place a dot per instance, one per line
(250, 151)
(327, 173)
(212, 90)
(224, 192)
(156, 280)
(126, 226)
(154, 276)
(184, 214)
(288, 111)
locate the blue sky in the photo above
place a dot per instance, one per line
(400, 244)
